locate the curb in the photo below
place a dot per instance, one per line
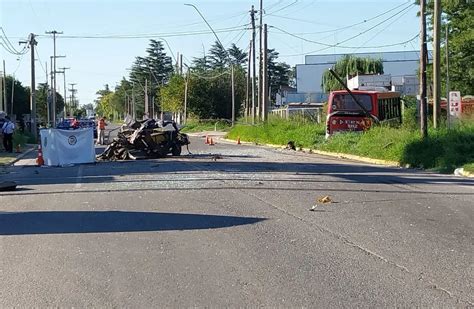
(19, 157)
(332, 154)
(461, 172)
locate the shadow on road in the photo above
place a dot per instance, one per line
(66, 222)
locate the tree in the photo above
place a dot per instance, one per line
(218, 57)
(172, 95)
(21, 97)
(156, 67)
(278, 73)
(350, 65)
(237, 55)
(43, 99)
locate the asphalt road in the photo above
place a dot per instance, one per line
(230, 225)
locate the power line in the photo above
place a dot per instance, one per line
(150, 35)
(9, 46)
(348, 39)
(39, 59)
(344, 27)
(351, 47)
(382, 30)
(285, 7)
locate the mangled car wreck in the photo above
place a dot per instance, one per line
(146, 139)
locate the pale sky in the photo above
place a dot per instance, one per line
(95, 60)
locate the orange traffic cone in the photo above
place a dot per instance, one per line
(238, 140)
(211, 143)
(207, 140)
(39, 159)
(18, 149)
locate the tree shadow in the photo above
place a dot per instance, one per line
(67, 222)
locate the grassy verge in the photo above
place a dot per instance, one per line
(469, 167)
(280, 132)
(194, 125)
(442, 151)
(6, 158)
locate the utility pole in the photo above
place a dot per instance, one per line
(247, 85)
(264, 100)
(436, 62)
(54, 33)
(72, 100)
(181, 64)
(133, 101)
(146, 99)
(447, 77)
(4, 85)
(252, 50)
(1, 93)
(260, 59)
(186, 81)
(423, 111)
(63, 71)
(233, 93)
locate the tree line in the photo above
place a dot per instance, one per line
(207, 80)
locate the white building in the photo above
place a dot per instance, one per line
(402, 66)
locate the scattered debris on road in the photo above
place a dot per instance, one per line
(325, 199)
(146, 139)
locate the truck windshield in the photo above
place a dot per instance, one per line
(345, 102)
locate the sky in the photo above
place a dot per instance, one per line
(102, 38)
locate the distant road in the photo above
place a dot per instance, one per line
(230, 225)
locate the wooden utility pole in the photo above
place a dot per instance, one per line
(447, 78)
(252, 50)
(54, 33)
(4, 86)
(423, 111)
(186, 81)
(436, 62)
(264, 100)
(233, 93)
(63, 71)
(260, 71)
(247, 86)
(146, 99)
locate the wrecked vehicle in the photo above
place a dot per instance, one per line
(146, 139)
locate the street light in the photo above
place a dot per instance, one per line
(228, 56)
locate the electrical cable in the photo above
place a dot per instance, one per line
(382, 30)
(285, 7)
(345, 40)
(351, 47)
(150, 35)
(344, 27)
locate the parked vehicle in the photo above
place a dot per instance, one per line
(357, 110)
(67, 124)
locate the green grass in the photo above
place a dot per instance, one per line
(6, 158)
(469, 167)
(280, 132)
(443, 151)
(194, 125)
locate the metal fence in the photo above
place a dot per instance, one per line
(312, 113)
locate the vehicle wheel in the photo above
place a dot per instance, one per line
(176, 150)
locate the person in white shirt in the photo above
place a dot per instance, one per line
(7, 130)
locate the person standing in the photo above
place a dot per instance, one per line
(7, 130)
(101, 131)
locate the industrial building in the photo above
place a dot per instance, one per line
(402, 66)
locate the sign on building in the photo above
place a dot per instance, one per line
(455, 104)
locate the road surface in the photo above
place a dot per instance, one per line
(231, 225)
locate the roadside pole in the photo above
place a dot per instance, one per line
(423, 110)
(436, 63)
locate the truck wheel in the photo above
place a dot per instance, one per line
(176, 150)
